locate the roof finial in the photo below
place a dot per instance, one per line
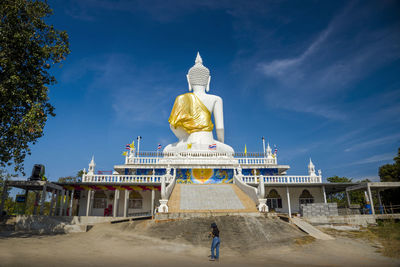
(199, 60)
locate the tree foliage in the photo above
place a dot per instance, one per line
(71, 179)
(356, 197)
(391, 173)
(337, 179)
(28, 49)
(9, 203)
(68, 179)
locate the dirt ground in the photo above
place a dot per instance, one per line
(244, 242)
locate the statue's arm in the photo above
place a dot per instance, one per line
(219, 119)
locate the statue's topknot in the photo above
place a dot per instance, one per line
(198, 74)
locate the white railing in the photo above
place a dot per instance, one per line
(140, 179)
(143, 160)
(244, 161)
(170, 187)
(251, 179)
(188, 153)
(183, 161)
(248, 189)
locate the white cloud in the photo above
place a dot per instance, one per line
(373, 159)
(342, 54)
(374, 142)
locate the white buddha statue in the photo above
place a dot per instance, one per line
(190, 118)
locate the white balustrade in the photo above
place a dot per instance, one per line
(143, 160)
(254, 161)
(199, 158)
(140, 179)
(251, 179)
(182, 161)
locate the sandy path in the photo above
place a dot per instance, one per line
(111, 245)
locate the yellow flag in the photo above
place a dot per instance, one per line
(132, 145)
(189, 146)
(124, 153)
(245, 149)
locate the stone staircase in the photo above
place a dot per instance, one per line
(189, 198)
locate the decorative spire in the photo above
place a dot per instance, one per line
(91, 166)
(199, 60)
(92, 161)
(269, 151)
(311, 169)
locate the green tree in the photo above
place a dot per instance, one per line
(28, 49)
(68, 179)
(71, 179)
(9, 202)
(391, 173)
(79, 175)
(337, 179)
(356, 197)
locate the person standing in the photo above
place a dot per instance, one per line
(215, 242)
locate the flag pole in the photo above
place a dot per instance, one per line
(263, 140)
(138, 146)
(245, 153)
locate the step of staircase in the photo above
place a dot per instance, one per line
(189, 198)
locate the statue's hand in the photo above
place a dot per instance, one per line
(220, 135)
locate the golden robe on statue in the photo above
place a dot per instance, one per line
(190, 114)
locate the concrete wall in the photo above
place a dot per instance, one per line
(146, 207)
(295, 193)
(57, 224)
(318, 209)
(363, 220)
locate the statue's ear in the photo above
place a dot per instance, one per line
(187, 78)
(208, 84)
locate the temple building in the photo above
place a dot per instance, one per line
(195, 174)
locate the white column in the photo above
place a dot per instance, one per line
(348, 198)
(163, 187)
(71, 202)
(52, 202)
(89, 193)
(288, 200)
(126, 197)
(324, 193)
(380, 202)
(60, 208)
(115, 207)
(370, 199)
(152, 202)
(43, 199)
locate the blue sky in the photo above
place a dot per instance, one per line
(319, 79)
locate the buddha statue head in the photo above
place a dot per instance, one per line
(198, 75)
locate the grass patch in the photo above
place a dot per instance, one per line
(388, 233)
(385, 236)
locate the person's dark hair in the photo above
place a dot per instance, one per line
(214, 225)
